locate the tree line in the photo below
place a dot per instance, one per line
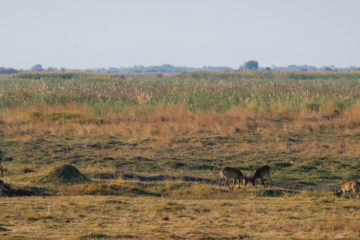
(167, 68)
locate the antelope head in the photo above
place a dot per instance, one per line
(337, 193)
(252, 180)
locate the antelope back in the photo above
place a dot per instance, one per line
(349, 185)
(261, 171)
(230, 172)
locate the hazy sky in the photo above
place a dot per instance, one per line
(105, 33)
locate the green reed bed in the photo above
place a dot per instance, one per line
(198, 91)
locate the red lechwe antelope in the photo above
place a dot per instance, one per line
(348, 187)
(227, 173)
(262, 173)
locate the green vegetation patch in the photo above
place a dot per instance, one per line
(113, 190)
(93, 236)
(276, 192)
(59, 116)
(277, 92)
(67, 174)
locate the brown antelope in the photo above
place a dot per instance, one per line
(262, 173)
(227, 173)
(2, 185)
(348, 187)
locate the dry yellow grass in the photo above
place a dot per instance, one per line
(249, 217)
(167, 122)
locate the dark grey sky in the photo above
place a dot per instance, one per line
(104, 33)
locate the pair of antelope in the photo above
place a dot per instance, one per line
(228, 173)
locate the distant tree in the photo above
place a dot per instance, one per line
(51, 69)
(268, 68)
(37, 68)
(251, 65)
(7, 70)
(113, 70)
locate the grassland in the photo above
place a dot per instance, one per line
(105, 217)
(152, 145)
